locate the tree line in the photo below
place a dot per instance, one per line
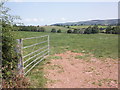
(31, 28)
(36, 29)
(90, 30)
(95, 29)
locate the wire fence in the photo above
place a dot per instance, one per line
(32, 51)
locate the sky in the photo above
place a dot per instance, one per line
(47, 13)
(64, 0)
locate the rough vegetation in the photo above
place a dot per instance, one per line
(10, 79)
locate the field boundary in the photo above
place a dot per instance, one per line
(22, 69)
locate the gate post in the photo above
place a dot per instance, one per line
(48, 45)
(20, 55)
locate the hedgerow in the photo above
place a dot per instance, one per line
(9, 55)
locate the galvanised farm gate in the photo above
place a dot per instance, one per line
(31, 52)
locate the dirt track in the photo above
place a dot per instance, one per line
(72, 72)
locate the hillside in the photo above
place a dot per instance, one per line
(49, 28)
(91, 22)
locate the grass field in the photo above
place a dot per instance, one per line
(100, 45)
(49, 28)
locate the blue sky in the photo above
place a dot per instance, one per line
(46, 13)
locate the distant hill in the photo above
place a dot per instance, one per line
(91, 22)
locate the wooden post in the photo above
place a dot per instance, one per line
(20, 53)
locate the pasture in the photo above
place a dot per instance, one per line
(63, 29)
(99, 45)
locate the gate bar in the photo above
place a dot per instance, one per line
(34, 52)
(34, 44)
(35, 37)
(34, 65)
(35, 56)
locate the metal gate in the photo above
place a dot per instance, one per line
(32, 51)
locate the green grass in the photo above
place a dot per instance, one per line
(77, 27)
(100, 45)
(55, 57)
(49, 28)
(36, 76)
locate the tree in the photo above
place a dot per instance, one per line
(69, 31)
(53, 30)
(109, 30)
(59, 31)
(116, 30)
(88, 30)
(75, 31)
(95, 29)
(41, 29)
(68, 26)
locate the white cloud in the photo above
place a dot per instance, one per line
(27, 20)
(41, 20)
(33, 20)
(63, 19)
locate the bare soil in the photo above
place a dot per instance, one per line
(89, 72)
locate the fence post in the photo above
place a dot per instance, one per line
(20, 55)
(48, 44)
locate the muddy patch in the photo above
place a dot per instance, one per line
(77, 70)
